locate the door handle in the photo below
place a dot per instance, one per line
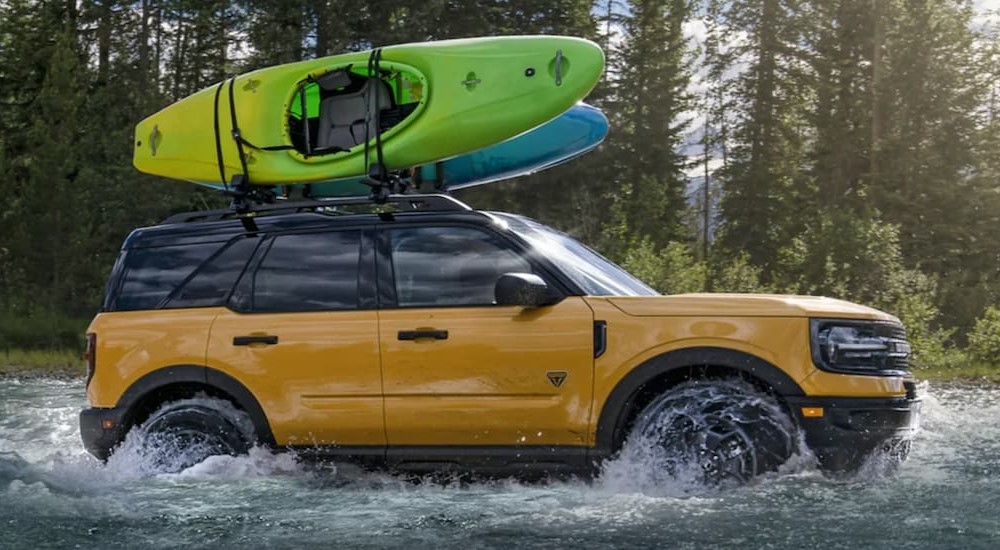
(258, 339)
(418, 334)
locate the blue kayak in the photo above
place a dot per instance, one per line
(564, 138)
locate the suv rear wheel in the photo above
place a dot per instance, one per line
(722, 431)
(183, 433)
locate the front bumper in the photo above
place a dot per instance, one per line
(102, 430)
(851, 429)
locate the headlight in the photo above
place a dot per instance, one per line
(859, 347)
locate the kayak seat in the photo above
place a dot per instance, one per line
(342, 117)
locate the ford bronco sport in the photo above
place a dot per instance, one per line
(422, 335)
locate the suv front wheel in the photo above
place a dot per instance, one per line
(718, 431)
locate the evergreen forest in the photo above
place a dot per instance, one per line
(845, 148)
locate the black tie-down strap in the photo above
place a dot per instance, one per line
(237, 136)
(377, 173)
(218, 138)
(378, 178)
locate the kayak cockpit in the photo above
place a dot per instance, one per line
(336, 111)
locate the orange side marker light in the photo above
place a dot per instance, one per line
(812, 412)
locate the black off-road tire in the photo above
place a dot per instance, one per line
(726, 431)
(183, 433)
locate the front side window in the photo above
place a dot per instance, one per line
(309, 272)
(450, 266)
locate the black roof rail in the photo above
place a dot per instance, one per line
(402, 203)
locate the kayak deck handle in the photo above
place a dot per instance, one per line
(153, 136)
(559, 61)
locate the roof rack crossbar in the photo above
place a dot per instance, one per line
(403, 203)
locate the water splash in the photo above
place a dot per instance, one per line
(667, 453)
(156, 447)
(63, 468)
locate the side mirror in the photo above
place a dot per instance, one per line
(523, 289)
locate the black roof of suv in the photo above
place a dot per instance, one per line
(213, 225)
(195, 259)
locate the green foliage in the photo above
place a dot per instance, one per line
(984, 340)
(738, 275)
(841, 254)
(39, 329)
(670, 270)
(911, 296)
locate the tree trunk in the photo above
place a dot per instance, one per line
(104, 41)
(144, 63)
(324, 29)
(180, 44)
(876, 86)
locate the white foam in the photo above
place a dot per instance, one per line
(955, 420)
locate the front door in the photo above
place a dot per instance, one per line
(459, 370)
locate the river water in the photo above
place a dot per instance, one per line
(54, 495)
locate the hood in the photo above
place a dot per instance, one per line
(744, 305)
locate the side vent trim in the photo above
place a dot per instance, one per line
(600, 338)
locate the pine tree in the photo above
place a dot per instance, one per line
(27, 47)
(925, 154)
(49, 217)
(762, 177)
(840, 248)
(651, 91)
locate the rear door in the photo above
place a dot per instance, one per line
(462, 371)
(302, 334)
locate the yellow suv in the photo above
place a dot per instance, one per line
(422, 335)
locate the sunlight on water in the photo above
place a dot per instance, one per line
(53, 493)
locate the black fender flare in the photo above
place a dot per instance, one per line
(178, 374)
(618, 405)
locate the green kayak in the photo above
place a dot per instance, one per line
(310, 121)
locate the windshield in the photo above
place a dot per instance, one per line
(593, 273)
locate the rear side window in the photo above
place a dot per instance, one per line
(309, 272)
(152, 274)
(210, 285)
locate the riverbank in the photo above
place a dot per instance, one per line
(980, 375)
(42, 363)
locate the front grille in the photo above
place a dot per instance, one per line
(899, 356)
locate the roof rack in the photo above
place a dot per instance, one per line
(402, 203)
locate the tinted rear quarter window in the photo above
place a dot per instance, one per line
(152, 274)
